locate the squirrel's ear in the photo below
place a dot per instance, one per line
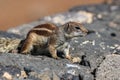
(67, 27)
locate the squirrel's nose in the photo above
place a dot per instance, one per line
(90, 31)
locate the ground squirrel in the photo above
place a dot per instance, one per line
(49, 37)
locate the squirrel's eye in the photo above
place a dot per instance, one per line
(77, 27)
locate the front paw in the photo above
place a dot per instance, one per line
(55, 56)
(76, 60)
(24, 52)
(13, 51)
(68, 57)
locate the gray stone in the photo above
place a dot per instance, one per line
(109, 69)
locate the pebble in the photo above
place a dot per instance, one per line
(116, 49)
(112, 24)
(7, 76)
(88, 15)
(67, 76)
(23, 74)
(99, 16)
(55, 77)
(73, 65)
(45, 77)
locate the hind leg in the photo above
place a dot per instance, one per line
(53, 51)
(27, 45)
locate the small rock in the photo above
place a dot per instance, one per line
(7, 76)
(99, 16)
(109, 69)
(55, 77)
(72, 66)
(76, 78)
(116, 50)
(88, 15)
(112, 24)
(41, 76)
(17, 75)
(67, 76)
(23, 74)
(45, 77)
(8, 44)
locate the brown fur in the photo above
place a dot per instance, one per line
(47, 25)
(42, 32)
(47, 36)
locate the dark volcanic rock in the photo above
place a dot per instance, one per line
(36, 66)
(13, 70)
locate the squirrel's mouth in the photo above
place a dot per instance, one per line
(90, 31)
(79, 34)
(86, 33)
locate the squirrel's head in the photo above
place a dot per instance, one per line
(74, 29)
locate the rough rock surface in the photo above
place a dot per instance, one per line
(36, 66)
(93, 49)
(109, 69)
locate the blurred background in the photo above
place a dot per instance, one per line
(17, 12)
